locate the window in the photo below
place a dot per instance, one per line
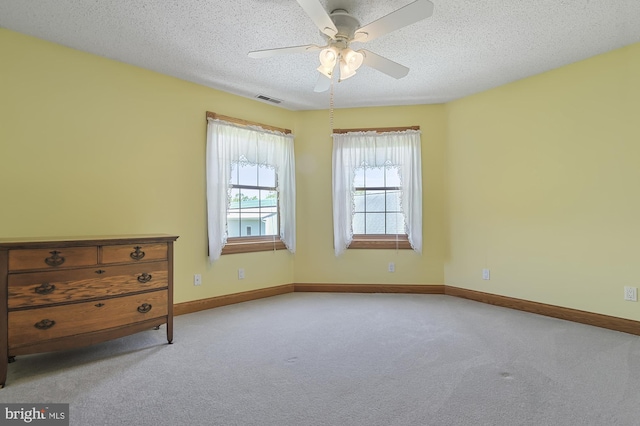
(377, 189)
(253, 206)
(377, 203)
(250, 187)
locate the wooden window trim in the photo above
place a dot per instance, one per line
(246, 123)
(390, 241)
(252, 244)
(376, 129)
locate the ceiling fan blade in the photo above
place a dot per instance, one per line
(323, 83)
(319, 16)
(384, 65)
(267, 53)
(407, 15)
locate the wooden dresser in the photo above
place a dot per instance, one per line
(57, 294)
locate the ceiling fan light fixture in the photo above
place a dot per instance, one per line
(329, 57)
(352, 59)
(326, 71)
(346, 71)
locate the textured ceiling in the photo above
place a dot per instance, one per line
(467, 46)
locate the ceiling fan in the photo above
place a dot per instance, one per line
(341, 29)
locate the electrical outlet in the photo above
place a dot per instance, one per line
(197, 279)
(392, 267)
(631, 293)
(486, 274)
(241, 274)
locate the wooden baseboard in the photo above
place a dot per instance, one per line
(583, 317)
(371, 288)
(229, 299)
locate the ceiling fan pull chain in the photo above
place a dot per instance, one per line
(331, 107)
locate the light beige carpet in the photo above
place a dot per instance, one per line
(346, 359)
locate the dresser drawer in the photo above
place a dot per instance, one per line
(35, 325)
(52, 258)
(132, 253)
(48, 287)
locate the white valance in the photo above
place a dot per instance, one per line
(228, 143)
(372, 149)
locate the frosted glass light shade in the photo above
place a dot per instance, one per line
(345, 70)
(328, 59)
(352, 58)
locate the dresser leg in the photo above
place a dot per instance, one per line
(157, 327)
(11, 359)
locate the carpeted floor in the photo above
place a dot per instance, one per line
(346, 359)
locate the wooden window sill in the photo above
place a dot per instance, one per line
(252, 244)
(400, 242)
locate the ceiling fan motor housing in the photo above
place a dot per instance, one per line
(346, 25)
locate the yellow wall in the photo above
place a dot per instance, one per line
(542, 186)
(90, 146)
(315, 261)
(534, 180)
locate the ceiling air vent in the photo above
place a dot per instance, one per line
(268, 99)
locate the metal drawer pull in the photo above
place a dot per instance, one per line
(144, 308)
(44, 324)
(45, 288)
(55, 259)
(99, 305)
(100, 272)
(137, 254)
(144, 278)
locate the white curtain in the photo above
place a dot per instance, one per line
(228, 143)
(372, 149)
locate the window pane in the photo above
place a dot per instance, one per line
(248, 174)
(233, 214)
(393, 201)
(248, 207)
(358, 200)
(393, 176)
(395, 223)
(375, 223)
(374, 177)
(358, 223)
(269, 199)
(249, 200)
(267, 176)
(374, 201)
(268, 212)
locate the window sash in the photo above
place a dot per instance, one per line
(260, 209)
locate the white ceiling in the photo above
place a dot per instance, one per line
(467, 46)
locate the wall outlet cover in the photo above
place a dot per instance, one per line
(486, 274)
(631, 294)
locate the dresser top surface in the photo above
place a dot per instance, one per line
(34, 242)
